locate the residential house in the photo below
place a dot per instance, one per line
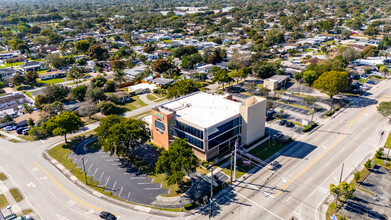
(162, 82)
(141, 88)
(32, 66)
(11, 104)
(23, 119)
(52, 75)
(7, 73)
(122, 96)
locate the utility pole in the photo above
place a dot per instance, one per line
(236, 149)
(84, 168)
(211, 193)
(232, 155)
(270, 132)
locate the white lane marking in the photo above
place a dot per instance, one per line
(71, 202)
(101, 176)
(120, 191)
(107, 181)
(259, 206)
(284, 180)
(42, 141)
(32, 173)
(95, 171)
(114, 186)
(336, 180)
(91, 211)
(90, 167)
(151, 188)
(31, 184)
(60, 217)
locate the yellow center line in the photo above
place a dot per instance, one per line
(66, 191)
(324, 153)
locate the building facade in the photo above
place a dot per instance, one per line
(210, 123)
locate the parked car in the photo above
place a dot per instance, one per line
(282, 122)
(107, 215)
(20, 130)
(289, 124)
(278, 135)
(10, 128)
(273, 165)
(25, 131)
(371, 82)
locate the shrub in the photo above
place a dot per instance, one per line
(110, 86)
(368, 164)
(379, 153)
(108, 108)
(309, 127)
(190, 206)
(357, 176)
(330, 113)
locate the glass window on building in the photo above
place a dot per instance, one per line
(224, 127)
(188, 129)
(160, 126)
(222, 138)
(190, 139)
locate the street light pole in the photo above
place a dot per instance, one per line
(236, 149)
(211, 193)
(232, 154)
(340, 179)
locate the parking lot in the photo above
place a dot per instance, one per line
(373, 202)
(291, 108)
(117, 176)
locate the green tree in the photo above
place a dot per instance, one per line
(343, 190)
(119, 135)
(333, 82)
(177, 161)
(357, 176)
(97, 52)
(79, 92)
(17, 79)
(222, 77)
(263, 69)
(63, 124)
(82, 46)
(31, 77)
(110, 86)
(95, 94)
(187, 50)
(368, 164)
(75, 74)
(370, 51)
(182, 87)
(275, 36)
(98, 81)
(384, 109)
(309, 77)
(161, 65)
(108, 108)
(40, 40)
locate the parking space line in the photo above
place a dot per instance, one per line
(119, 195)
(107, 181)
(151, 188)
(95, 171)
(143, 183)
(114, 186)
(137, 178)
(101, 176)
(90, 167)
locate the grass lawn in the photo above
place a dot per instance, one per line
(42, 71)
(141, 115)
(362, 80)
(135, 103)
(264, 151)
(151, 97)
(174, 189)
(27, 137)
(27, 211)
(2, 177)
(159, 100)
(388, 142)
(29, 95)
(202, 170)
(14, 141)
(3, 201)
(11, 64)
(52, 81)
(16, 194)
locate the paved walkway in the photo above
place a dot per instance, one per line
(145, 99)
(11, 136)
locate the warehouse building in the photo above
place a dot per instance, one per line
(210, 123)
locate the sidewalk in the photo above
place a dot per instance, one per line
(11, 136)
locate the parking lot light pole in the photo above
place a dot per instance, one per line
(236, 149)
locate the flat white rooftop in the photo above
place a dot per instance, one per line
(204, 110)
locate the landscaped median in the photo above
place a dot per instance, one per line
(58, 156)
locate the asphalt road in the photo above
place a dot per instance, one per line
(302, 183)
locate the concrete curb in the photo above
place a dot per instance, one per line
(81, 185)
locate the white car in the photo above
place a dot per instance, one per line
(278, 135)
(273, 165)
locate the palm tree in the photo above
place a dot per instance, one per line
(119, 76)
